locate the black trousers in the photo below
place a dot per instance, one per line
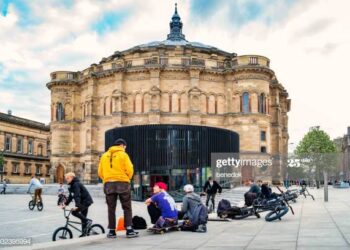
(3, 191)
(81, 213)
(153, 212)
(212, 198)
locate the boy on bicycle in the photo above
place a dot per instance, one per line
(82, 199)
(38, 187)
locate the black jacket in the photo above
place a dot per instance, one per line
(212, 189)
(79, 193)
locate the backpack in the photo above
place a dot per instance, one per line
(249, 198)
(139, 222)
(200, 215)
(223, 205)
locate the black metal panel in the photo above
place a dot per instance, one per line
(164, 147)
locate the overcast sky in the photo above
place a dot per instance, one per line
(308, 42)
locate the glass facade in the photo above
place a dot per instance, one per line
(174, 154)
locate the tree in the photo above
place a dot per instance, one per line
(318, 152)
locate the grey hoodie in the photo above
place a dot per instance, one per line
(189, 203)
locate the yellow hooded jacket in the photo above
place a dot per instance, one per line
(119, 168)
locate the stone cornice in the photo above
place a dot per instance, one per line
(23, 122)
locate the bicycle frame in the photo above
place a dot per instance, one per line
(70, 222)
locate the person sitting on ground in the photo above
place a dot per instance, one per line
(253, 192)
(190, 202)
(162, 207)
(82, 199)
(266, 191)
(255, 187)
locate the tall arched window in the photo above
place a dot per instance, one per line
(245, 105)
(60, 112)
(262, 104)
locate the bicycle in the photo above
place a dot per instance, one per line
(63, 233)
(304, 191)
(39, 204)
(210, 206)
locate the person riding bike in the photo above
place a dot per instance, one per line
(38, 187)
(82, 199)
(211, 188)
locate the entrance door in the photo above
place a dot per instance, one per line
(60, 174)
(247, 174)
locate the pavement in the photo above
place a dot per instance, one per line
(315, 225)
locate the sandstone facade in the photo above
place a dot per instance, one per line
(169, 82)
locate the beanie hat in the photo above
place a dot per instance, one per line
(120, 141)
(161, 185)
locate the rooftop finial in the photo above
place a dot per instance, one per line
(176, 27)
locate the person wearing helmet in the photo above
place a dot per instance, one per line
(162, 207)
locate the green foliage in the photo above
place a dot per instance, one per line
(317, 150)
(315, 141)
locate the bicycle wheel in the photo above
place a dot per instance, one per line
(62, 233)
(95, 230)
(40, 206)
(277, 214)
(31, 205)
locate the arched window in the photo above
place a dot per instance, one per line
(245, 104)
(60, 112)
(262, 103)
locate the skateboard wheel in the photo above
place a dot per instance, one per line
(162, 232)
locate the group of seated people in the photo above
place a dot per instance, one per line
(163, 212)
(258, 190)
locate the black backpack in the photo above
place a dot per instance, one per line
(223, 205)
(200, 215)
(139, 222)
(249, 198)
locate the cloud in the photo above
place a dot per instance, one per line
(306, 40)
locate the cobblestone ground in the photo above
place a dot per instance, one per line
(315, 225)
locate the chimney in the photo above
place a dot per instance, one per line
(9, 112)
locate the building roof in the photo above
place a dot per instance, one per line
(23, 122)
(177, 38)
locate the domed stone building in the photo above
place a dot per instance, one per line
(176, 86)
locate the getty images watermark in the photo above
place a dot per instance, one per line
(228, 165)
(15, 241)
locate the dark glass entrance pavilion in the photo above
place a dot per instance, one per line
(174, 154)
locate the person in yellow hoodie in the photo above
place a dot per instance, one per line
(116, 171)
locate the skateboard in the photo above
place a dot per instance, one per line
(164, 229)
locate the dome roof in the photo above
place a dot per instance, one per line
(177, 38)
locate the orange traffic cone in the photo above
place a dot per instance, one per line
(120, 224)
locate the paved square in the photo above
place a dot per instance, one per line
(315, 225)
